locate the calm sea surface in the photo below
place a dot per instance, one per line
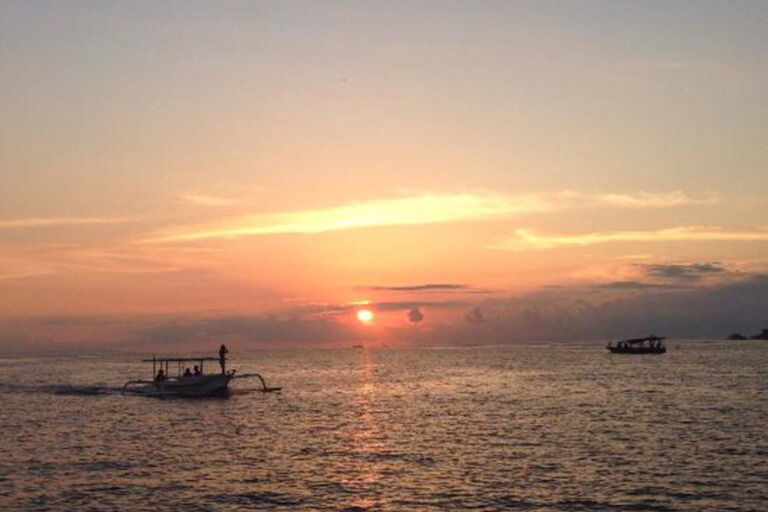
(525, 427)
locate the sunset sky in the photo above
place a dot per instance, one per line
(468, 171)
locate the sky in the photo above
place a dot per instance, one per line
(185, 172)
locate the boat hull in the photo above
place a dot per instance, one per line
(196, 386)
(637, 350)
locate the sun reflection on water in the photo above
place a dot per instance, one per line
(367, 439)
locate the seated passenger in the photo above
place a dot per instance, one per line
(197, 371)
(160, 376)
(187, 373)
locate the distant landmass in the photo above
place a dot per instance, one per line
(738, 336)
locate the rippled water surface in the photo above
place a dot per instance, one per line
(525, 427)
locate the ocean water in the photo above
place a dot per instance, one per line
(551, 427)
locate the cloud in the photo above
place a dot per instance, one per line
(207, 200)
(410, 305)
(475, 316)
(431, 287)
(174, 332)
(636, 285)
(330, 310)
(46, 222)
(72, 258)
(685, 272)
(657, 200)
(578, 313)
(567, 313)
(24, 274)
(414, 210)
(672, 276)
(680, 66)
(266, 328)
(415, 315)
(426, 209)
(435, 288)
(524, 239)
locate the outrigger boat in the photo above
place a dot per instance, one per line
(648, 345)
(185, 383)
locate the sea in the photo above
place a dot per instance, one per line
(530, 426)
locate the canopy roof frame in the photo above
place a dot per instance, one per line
(643, 340)
(163, 361)
(178, 359)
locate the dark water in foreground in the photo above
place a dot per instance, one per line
(545, 427)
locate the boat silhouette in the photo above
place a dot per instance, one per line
(185, 383)
(647, 345)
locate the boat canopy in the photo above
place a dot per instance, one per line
(163, 362)
(636, 341)
(178, 359)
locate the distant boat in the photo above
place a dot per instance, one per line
(648, 345)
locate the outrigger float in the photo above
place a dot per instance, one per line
(185, 383)
(648, 345)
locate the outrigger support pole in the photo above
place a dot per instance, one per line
(264, 387)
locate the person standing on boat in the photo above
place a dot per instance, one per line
(223, 358)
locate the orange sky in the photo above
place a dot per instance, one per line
(457, 168)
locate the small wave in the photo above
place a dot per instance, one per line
(259, 499)
(513, 503)
(334, 488)
(18, 360)
(103, 465)
(87, 390)
(59, 389)
(251, 391)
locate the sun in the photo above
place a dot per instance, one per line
(365, 316)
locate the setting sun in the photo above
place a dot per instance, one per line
(365, 316)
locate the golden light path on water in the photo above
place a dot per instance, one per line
(366, 436)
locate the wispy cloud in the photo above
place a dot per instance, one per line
(684, 271)
(409, 305)
(208, 200)
(657, 200)
(43, 222)
(327, 309)
(636, 285)
(31, 261)
(421, 209)
(674, 276)
(524, 239)
(426, 209)
(681, 65)
(432, 287)
(24, 274)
